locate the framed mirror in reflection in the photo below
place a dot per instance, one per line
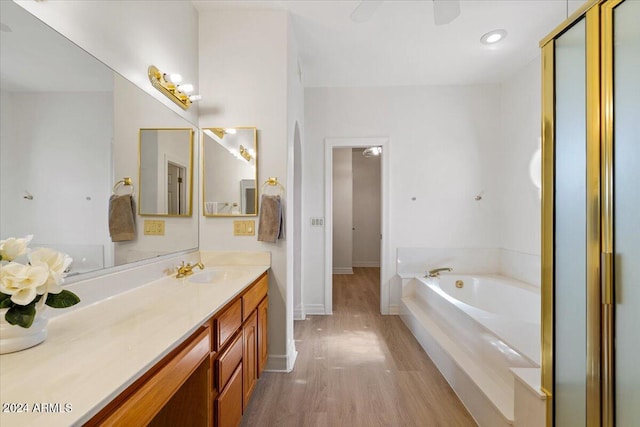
(230, 171)
(165, 172)
(65, 141)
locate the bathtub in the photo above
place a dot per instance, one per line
(476, 332)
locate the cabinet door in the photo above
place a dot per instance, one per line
(229, 403)
(263, 345)
(249, 356)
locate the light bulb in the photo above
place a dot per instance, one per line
(194, 98)
(230, 131)
(173, 78)
(186, 88)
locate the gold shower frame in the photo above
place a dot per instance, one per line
(599, 192)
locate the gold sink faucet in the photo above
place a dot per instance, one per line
(187, 270)
(436, 271)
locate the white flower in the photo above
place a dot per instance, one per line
(12, 248)
(21, 281)
(56, 263)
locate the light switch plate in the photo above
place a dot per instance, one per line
(244, 228)
(153, 227)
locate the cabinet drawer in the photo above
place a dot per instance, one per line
(229, 403)
(253, 296)
(228, 362)
(227, 323)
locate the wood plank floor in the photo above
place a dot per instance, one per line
(356, 368)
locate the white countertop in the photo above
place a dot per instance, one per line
(94, 353)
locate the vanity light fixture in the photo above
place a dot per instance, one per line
(493, 37)
(169, 85)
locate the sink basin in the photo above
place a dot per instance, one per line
(216, 276)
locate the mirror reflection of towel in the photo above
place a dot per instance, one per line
(271, 222)
(122, 226)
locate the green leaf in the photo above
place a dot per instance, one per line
(62, 300)
(5, 300)
(21, 315)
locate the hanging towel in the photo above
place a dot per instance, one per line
(271, 223)
(122, 226)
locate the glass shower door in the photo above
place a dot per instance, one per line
(626, 191)
(570, 242)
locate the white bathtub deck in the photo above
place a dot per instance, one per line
(497, 407)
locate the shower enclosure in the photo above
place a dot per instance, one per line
(591, 216)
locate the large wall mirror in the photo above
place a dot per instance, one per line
(166, 171)
(69, 131)
(230, 171)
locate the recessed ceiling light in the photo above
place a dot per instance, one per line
(493, 37)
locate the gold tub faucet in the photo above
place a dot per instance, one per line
(436, 271)
(187, 270)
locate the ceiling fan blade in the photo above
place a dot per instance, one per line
(445, 11)
(365, 10)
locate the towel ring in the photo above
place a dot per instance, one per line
(272, 182)
(126, 181)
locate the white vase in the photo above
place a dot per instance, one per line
(15, 338)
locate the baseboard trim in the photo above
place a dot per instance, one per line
(344, 270)
(395, 309)
(366, 263)
(314, 310)
(282, 362)
(299, 314)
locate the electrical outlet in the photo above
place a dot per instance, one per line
(153, 227)
(317, 222)
(244, 228)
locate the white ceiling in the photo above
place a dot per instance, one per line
(401, 45)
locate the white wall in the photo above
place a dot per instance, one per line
(519, 202)
(244, 57)
(70, 192)
(342, 211)
(134, 109)
(295, 130)
(444, 143)
(366, 210)
(129, 36)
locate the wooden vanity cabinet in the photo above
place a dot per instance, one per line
(208, 380)
(237, 361)
(175, 388)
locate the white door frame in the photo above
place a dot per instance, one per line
(329, 145)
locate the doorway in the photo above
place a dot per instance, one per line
(370, 248)
(176, 200)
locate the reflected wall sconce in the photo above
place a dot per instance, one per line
(245, 153)
(172, 87)
(221, 132)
